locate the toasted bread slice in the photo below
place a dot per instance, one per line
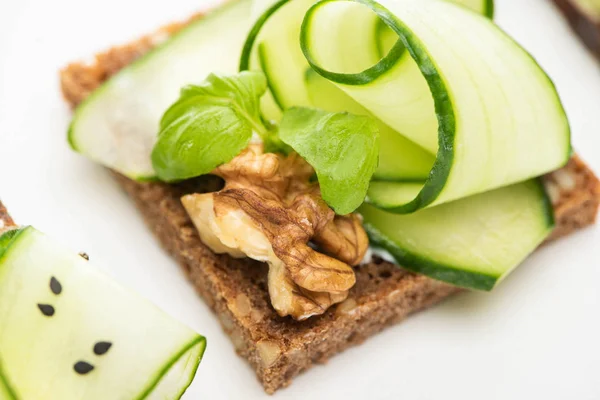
(280, 348)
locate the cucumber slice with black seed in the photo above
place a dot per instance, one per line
(67, 331)
(118, 124)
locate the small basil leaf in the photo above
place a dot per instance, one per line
(201, 137)
(342, 148)
(244, 89)
(209, 125)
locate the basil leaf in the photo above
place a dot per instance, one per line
(244, 90)
(208, 125)
(342, 148)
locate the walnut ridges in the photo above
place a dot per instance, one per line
(270, 211)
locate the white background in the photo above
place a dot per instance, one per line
(537, 336)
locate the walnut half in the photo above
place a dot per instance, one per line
(271, 212)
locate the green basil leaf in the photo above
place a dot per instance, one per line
(208, 125)
(244, 90)
(342, 148)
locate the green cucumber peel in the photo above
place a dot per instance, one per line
(484, 7)
(483, 114)
(7, 238)
(439, 126)
(283, 83)
(472, 243)
(450, 101)
(490, 8)
(6, 391)
(423, 265)
(244, 64)
(78, 307)
(197, 341)
(212, 123)
(263, 66)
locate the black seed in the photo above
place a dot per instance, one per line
(85, 256)
(55, 286)
(82, 368)
(101, 348)
(46, 309)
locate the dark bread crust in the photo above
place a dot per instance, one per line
(280, 348)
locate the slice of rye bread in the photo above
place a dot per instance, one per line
(280, 348)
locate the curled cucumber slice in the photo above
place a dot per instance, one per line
(464, 90)
(399, 158)
(467, 119)
(272, 46)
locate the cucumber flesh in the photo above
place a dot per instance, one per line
(389, 195)
(6, 393)
(399, 158)
(275, 56)
(358, 41)
(453, 84)
(483, 7)
(463, 85)
(474, 242)
(55, 308)
(269, 64)
(118, 124)
(386, 37)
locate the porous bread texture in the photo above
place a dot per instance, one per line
(236, 289)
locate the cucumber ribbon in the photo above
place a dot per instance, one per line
(463, 109)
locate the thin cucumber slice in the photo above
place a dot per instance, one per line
(399, 159)
(493, 116)
(281, 58)
(270, 110)
(269, 64)
(67, 331)
(274, 37)
(386, 37)
(483, 7)
(269, 106)
(118, 124)
(457, 86)
(388, 195)
(275, 56)
(473, 242)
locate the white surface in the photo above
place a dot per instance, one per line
(536, 336)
